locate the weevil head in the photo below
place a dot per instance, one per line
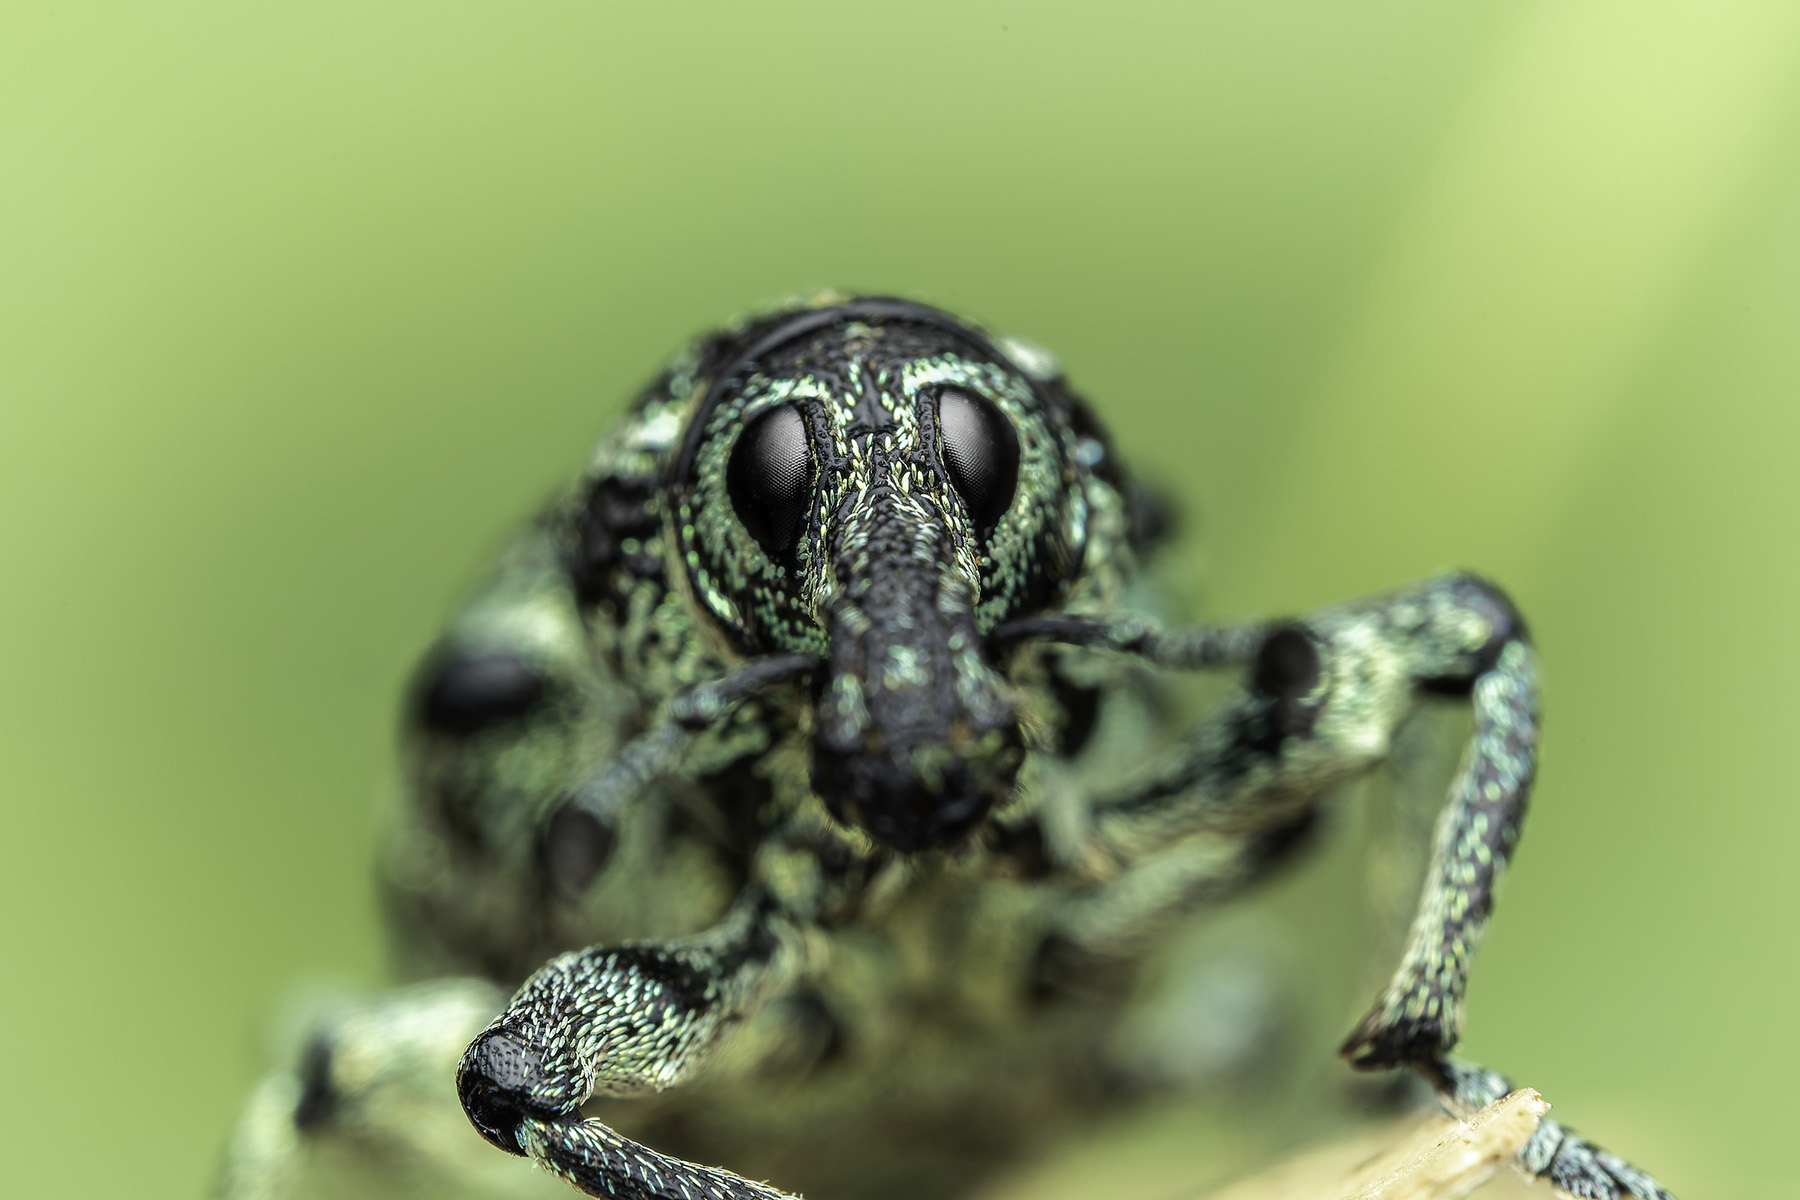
(879, 484)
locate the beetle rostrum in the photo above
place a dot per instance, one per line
(868, 468)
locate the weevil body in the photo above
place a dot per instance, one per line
(801, 773)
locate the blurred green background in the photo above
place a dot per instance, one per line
(301, 305)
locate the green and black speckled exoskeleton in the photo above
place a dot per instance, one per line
(801, 768)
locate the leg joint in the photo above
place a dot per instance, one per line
(1485, 599)
(495, 1082)
(1289, 672)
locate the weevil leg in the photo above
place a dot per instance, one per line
(369, 1091)
(623, 1020)
(657, 751)
(525, 784)
(1321, 702)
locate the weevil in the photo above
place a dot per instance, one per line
(800, 775)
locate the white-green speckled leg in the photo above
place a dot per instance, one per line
(1321, 702)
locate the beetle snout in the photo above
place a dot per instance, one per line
(915, 797)
(916, 738)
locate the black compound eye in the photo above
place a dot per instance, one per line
(981, 453)
(464, 694)
(770, 478)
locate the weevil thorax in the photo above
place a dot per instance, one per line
(879, 485)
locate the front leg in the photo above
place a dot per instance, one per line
(622, 1021)
(1322, 700)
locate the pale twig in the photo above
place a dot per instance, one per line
(1435, 1159)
